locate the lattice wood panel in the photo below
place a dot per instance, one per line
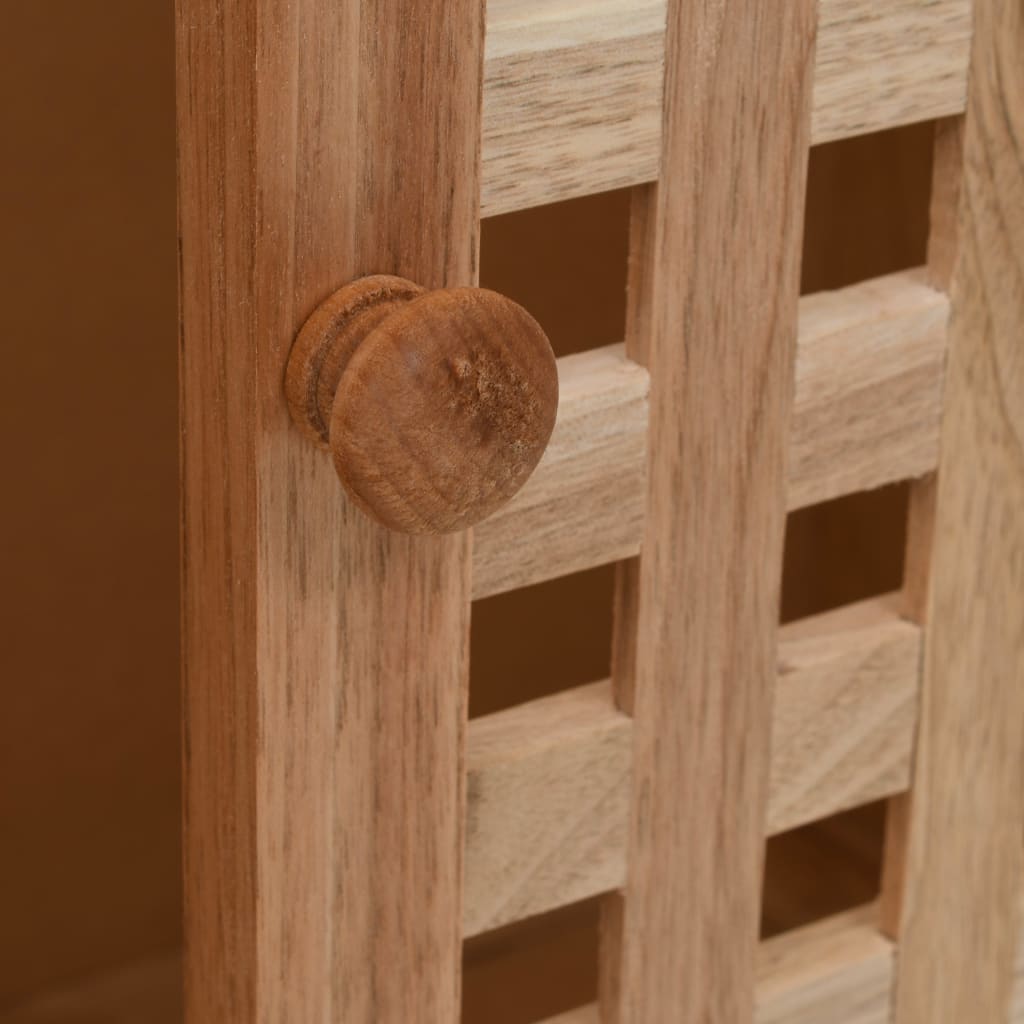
(345, 836)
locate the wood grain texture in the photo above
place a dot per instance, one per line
(436, 406)
(944, 208)
(572, 99)
(845, 711)
(866, 411)
(958, 929)
(324, 783)
(699, 671)
(219, 475)
(947, 178)
(913, 602)
(868, 387)
(549, 780)
(548, 801)
(883, 63)
(917, 558)
(573, 88)
(1017, 998)
(584, 504)
(837, 970)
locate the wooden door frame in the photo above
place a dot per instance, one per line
(326, 660)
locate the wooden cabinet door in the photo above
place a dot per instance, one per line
(327, 658)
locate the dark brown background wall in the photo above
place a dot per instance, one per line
(89, 730)
(89, 733)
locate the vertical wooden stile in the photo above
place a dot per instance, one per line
(326, 659)
(947, 175)
(715, 283)
(953, 907)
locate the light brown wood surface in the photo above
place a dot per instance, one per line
(147, 990)
(944, 207)
(326, 659)
(549, 780)
(845, 710)
(866, 411)
(572, 99)
(584, 504)
(548, 805)
(882, 63)
(1017, 996)
(943, 215)
(868, 387)
(573, 88)
(963, 869)
(837, 970)
(714, 319)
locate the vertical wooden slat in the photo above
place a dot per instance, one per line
(326, 659)
(716, 281)
(303, 233)
(947, 177)
(913, 601)
(406, 600)
(943, 214)
(917, 557)
(962, 868)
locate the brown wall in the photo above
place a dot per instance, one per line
(89, 787)
(89, 735)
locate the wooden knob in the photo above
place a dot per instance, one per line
(436, 405)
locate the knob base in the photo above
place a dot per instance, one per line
(329, 339)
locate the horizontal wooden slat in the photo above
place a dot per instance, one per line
(866, 412)
(548, 804)
(837, 970)
(844, 712)
(587, 495)
(572, 99)
(868, 387)
(572, 88)
(883, 63)
(549, 783)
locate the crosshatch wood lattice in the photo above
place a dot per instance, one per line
(346, 828)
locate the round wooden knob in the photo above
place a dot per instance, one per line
(436, 405)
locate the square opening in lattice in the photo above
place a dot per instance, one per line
(822, 869)
(866, 212)
(540, 640)
(566, 263)
(534, 969)
(843, 551)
